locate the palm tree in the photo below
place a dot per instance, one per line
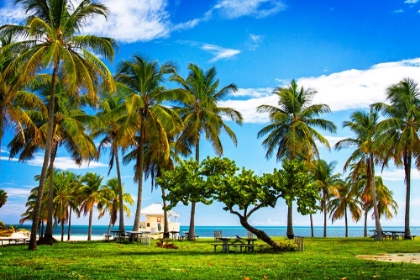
(324, 178)
(112, 203)
(144, 117)
(93, 194)
(364, 125)
(70, 124)
(343, 199)
(51, 41)
(203, 115)
(3, 198)
(400, 136)
(109, 132)
(292, 132)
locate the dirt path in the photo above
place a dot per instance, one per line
(401, 257)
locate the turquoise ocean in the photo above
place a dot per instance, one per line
(207, 231)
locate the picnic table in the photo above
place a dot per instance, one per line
(118, 234)
(393, 234)
(237, 242)
(142, 235)
(174, 234)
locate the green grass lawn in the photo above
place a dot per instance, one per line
(330, 258)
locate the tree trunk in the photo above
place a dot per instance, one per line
(407, 171)
(139, 171)
(47, 156)
(325, 214)
(346, 223)
(312, 224)
(90, 225)
(191, 230)
(68, 230)
(62, 230)
(259, 233)
(365, 227)
(48, 238)
(290, 233)
(120, 191)
(371, 180)
(165, 213)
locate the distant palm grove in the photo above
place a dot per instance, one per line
(50, 74)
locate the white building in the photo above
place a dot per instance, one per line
(154, 218)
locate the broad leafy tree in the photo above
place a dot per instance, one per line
(400, 135)
(365, 127)
(292, 130)
(52, 42)
(203, 116)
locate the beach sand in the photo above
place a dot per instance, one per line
(26, 234)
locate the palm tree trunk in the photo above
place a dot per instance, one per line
(48, 238)
(62, 230)
(47, 155)
(165, 213)
(68, 229)
(191, 230)
(365, 226)
(325, 214)
(139, 176)
(290, 233)
(120, 191)
(346, 223)
(407, 171)
(90, 225)
(371, 179)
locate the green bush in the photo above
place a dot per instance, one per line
(287, 246)
(2, 225)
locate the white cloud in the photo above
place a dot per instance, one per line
(65, 163)
(231, 9)
(411, 1)
(398, 175)
(350, 89)
(219, 52)
(251, 92)
(17, 192)
(132, 20)
(398, 11)
(7, 158)
(11, 14)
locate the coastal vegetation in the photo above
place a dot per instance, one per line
(50, 74)
(322, 258)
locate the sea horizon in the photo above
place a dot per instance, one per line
(208, 231)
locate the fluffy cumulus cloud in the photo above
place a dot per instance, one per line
(11, 14)
(351, 89)
(65, 163)
(411, 1)
(132, 20)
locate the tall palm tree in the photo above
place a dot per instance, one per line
(292, 132)
(70, 125)
(343, 199)
(401, 132)
(365, 126)
(202, 115)
(144, 116)
(324, 178)
(109, 131)
(93, 195)
(112, 203)
(3, 198)
(52, 43)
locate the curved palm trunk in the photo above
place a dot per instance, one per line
(62, 231)
(120, 191)
(140, 164)
(371, 180)
(90, 225)
(324, 209)
(407, 171)
(47, 155)
(290, 233)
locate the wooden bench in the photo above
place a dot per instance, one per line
(250, 247)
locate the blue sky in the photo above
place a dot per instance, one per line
(348, 51)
